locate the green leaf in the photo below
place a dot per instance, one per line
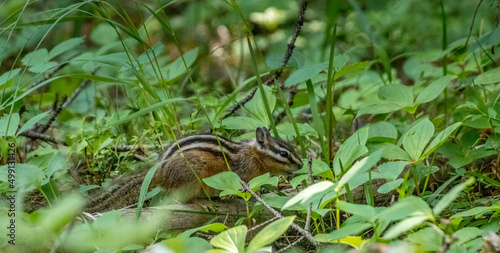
(104, 34)
(241, 123)
(32, 122)
(476, 211)
(270, 233)
(434, 89)
(310, 194)
(64, 46)
(396, 93)
(227, 181)
(466, 234)
(11, 126)
(339, 62)
(451, 196)
(379, 107)
(406, 207)
(304, 130)
(298, 179)
(259, 181)
(353, 148)
(256, 108)
(35, 58)
(305, 73)
(177, 68)
(343, 232)
(391, 170)
(428, 239)
(56, 163)
(389, 151)
(365, 211)
(440, 139)
(231, 240)
(352, 68)
(144, 189)
(388, 187)
(144, 111)
(417, 137)
(7, 76)
(358, 168)
(56, 218)
(404, 226)
(490, 76)
(382, 130)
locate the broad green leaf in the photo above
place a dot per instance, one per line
(310, 194)
(409, 206)
(389, 186)
(177, 67)
(104, 34)
(404, 226)
(42, 67)
(216, 227)
(365, 211)
(227, 181)
(397, 93)
(11, 126)
(256, 105)
(28, 176)
(154, 51)
(343, 232)
(64, 46)
(296, 180)
(440, 139)
(353, 148)
(259, 181)
(391, 170)
(352, 68)
(417, 137)
(36, 57)
(451, 196)
(490, 76)
(304, 130)
(270, 233)
(7, 76)
(231, 240)
(476, 211)
(56, 163)
(274, 61)
(305, 73)
(428, 239)
(339, 62)
(32, 122)
(468, 233)
(56, 218)
(379, 107)
(358, 168)
(434, 89)
(144, 111)
(389, 151)
(242, 123)
(382, 130)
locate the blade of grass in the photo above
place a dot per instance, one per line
(317, 121)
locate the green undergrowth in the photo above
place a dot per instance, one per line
(393, 105)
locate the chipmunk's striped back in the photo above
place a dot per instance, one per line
(192, 158)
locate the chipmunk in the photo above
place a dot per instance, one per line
(202, 154)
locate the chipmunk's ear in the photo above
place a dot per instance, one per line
(261, 135)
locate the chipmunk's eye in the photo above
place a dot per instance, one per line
(284, 154)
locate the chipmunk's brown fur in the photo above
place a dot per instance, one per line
(202, 156)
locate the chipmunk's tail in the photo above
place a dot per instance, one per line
(123, 194)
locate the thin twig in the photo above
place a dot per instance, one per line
(291, 45)
(304, 232)
(472, 24)
(34, 135)
(291, 244)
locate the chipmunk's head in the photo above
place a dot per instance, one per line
(277, 156)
